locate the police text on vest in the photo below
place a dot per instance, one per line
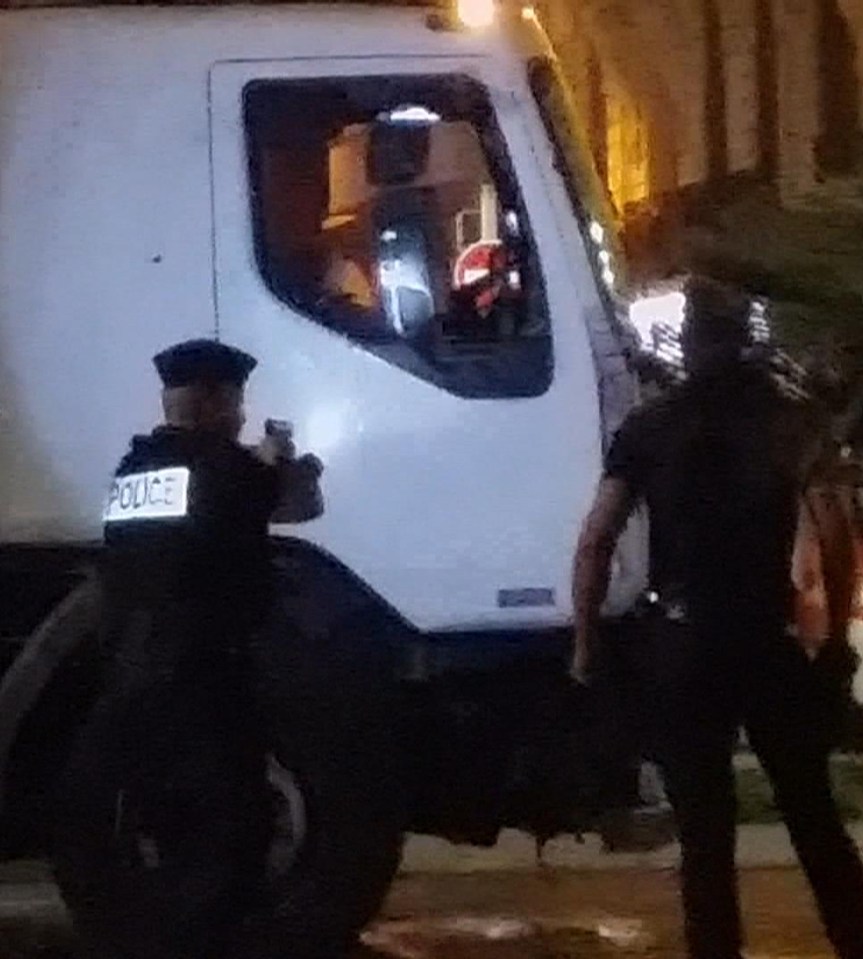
(158, 494)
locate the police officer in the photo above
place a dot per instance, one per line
(720, 463)
(165, 815)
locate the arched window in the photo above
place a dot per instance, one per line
(628, 152)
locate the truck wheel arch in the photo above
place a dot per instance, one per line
(319, 590)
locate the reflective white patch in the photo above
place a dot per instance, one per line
(159, 494)
(855, 638)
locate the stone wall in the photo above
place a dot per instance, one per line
(726, 87)
(852, 10)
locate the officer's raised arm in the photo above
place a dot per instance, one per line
(299, 498)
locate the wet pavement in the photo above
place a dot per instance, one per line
(552, 914)
(538, 914)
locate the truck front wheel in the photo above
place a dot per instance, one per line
(169, 847)
(183, 868)
(333, 852)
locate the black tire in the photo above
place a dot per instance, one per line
(330, 706)
(343, 867)
(153, 870)
(330, 738)
(313, 906)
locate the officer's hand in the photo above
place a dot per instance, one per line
(276, 448)
(309, 467)
(301, 473)
(301, 498)
(580, 667)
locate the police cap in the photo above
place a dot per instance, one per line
(203, 361)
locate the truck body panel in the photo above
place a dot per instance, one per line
(127, 224)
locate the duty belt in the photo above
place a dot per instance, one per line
(652, 603)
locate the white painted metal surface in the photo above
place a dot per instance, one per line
(122, 170)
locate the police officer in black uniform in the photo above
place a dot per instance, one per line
(164, 820)
(720, 463)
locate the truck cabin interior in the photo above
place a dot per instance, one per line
(385, 206)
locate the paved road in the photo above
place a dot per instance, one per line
(526, 914)
(598, 915)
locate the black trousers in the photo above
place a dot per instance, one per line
(704, 685)
(177, 767)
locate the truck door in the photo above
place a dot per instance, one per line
(386, 245)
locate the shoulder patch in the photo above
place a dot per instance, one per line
(158, 494)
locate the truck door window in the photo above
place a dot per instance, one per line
(386, 209)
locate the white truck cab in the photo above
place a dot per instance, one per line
(392, 210)
(237, 172)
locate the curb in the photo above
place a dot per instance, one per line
(758, 847)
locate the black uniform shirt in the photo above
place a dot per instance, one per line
(186, 568)
(717, 464)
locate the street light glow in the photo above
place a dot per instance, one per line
(476, 14)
